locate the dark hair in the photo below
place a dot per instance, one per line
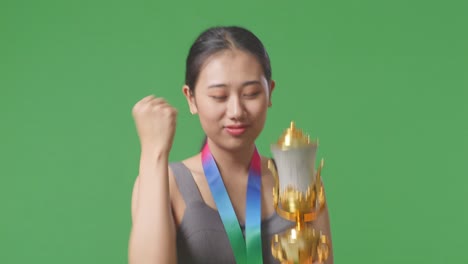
(216, 39)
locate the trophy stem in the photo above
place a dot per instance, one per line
(299, 221)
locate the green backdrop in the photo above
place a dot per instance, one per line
(382, 84)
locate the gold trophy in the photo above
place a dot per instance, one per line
(298, 196)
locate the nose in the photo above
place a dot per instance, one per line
(235, 108)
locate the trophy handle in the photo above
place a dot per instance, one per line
(323, 248)
(320, 194)
(274, 172)
(319, 185)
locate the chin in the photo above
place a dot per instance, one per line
(236, 143)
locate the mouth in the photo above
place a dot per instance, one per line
(236, 130)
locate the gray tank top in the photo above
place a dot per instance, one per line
(201, 238)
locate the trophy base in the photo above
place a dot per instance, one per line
(302, 246)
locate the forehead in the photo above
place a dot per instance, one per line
(230, 67)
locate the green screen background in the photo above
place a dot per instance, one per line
(382, 84)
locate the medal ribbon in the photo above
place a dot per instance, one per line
(248, 250)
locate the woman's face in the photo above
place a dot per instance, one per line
(231, 98)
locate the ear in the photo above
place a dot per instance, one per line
(272, 87)
(190, 99)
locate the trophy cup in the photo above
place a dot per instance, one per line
(298, 196)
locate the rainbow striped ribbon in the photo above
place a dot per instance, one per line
(246, 250)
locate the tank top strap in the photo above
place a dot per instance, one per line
(185, 182)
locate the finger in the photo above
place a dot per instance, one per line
(157, 101)
(164, 108)
(143, 101)
(147, 98)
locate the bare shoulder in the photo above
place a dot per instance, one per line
(193, 163)
(190, 163)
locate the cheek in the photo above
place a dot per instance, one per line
(210, 112)
(257, 108)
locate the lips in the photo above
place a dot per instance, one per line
(236, 130)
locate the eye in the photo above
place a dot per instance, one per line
(251, 95)
(218, 97)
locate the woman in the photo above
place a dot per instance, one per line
(175, 216)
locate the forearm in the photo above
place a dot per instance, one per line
(152, 238)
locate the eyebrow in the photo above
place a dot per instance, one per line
(222, 85)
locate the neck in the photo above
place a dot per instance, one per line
(229, 161)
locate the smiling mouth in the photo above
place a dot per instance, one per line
(235, 130)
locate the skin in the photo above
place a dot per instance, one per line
(231, 90)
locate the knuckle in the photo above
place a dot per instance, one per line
(135, 109)
(167, 111)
